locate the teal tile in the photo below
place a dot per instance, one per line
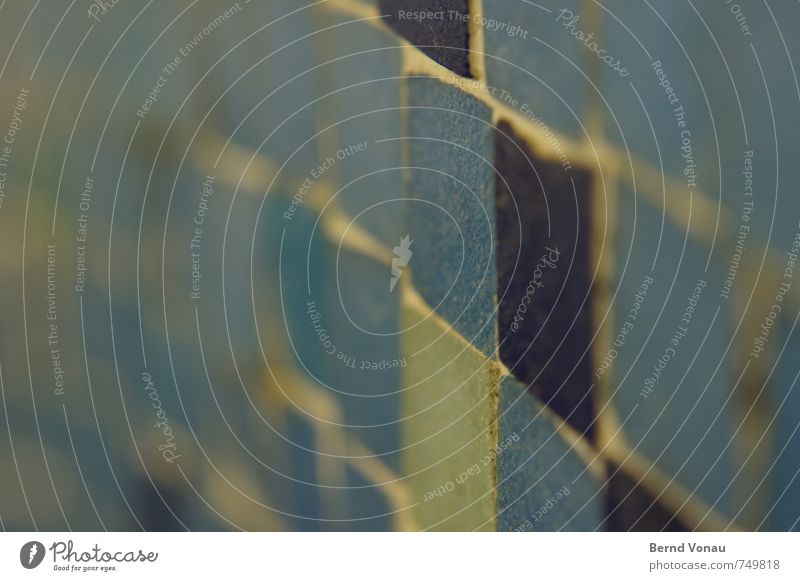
(670, 374)
(646, 37)
(360, 116)
(362, 318)
(695, 103)
(341, 326)
(784, 498)
(369, 509)
(542, 483)
(534, 65)
(268, 83)
(448, 412)
(451, 212)
(306, 493)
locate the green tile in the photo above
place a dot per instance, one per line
(447, 413)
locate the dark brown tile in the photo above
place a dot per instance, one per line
(543, 262)
(437, 27)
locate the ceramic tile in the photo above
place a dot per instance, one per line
(451, 213)
(535, 65)
(543, 222)
(447, 413)
(542, 483)
(670, 371)
(438, 28)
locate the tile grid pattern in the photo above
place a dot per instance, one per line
(491, 414)
(603, 159)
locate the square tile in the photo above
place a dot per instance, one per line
(360, 120)
(535, 65)
(447, 412)
(439, 28)
(363, 363)
(544, 277)
(671, 372)
(542, 483)
(268, 83)
(451, 212)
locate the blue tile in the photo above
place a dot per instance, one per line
(637, 33)
(534, 63)
(784, 508)
(776, 174)
(343, 321)
(544, 277)
(306, 506)
(363, 371)
(710, 69)
(542, 484)
(369, 509)
(671, 380)
(360, 114)
(448, 417)
(451, 213)
(631, 508)
(304, 253)
(274, 65)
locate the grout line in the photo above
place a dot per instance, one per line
(411, 299)
(340, 229)
(673, 495)
(390, 483)
(238, 508)
(416, 63)
(595, 111)
(680, 205)
(335, 221)
(649, 178)
(604, 232)
(578, 443)
(476, 35)
(648, 182)
(321, 404)
(354, 8)
(232, 165)
(477, 55)
(750, 407)
(414, 301)
(261, 171)
(325, 117)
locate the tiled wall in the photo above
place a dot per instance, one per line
(540, 189)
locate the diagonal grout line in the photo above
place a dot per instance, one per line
(673, 495)
(356, 8)
(649, 177)
(415, 302)
(263, 168)
(415, 62)
(336, 223)
(650, 188)
(360, 456)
